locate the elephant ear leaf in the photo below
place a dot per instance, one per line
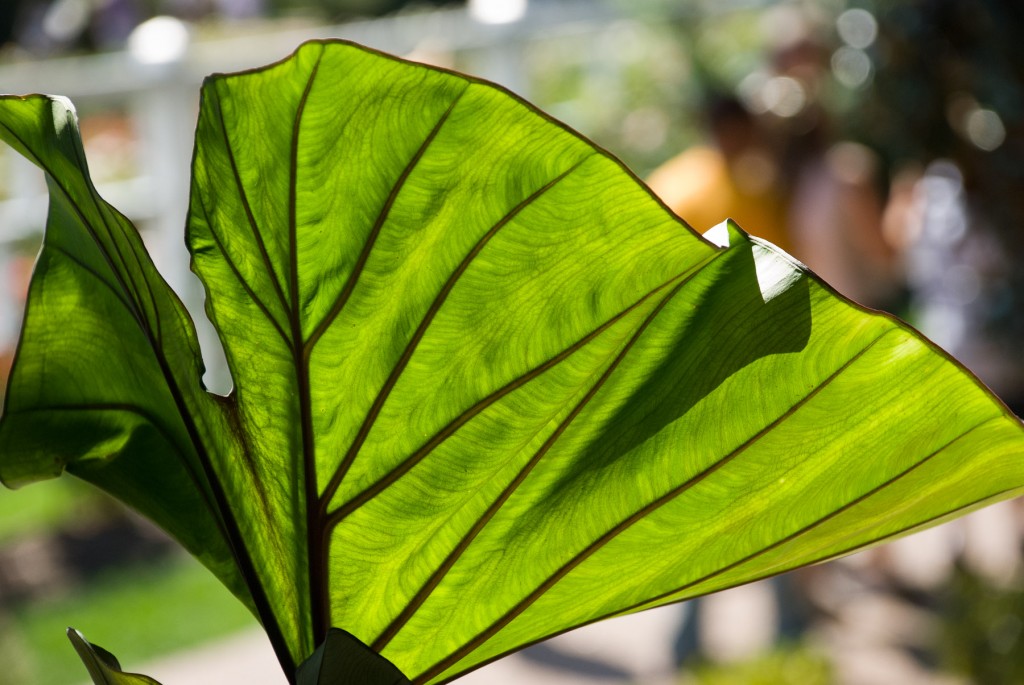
(102, 665)
(487, 388)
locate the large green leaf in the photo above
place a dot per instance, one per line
(486, 387)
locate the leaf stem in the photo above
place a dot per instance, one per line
(234, 535)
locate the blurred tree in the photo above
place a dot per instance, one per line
(949, 83)
(10, 13)
(982, 634)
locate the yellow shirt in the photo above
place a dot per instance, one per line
(703, 190)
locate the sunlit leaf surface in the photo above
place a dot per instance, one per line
(486, 387)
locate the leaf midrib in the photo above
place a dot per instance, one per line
(319, 593)
(246, 206)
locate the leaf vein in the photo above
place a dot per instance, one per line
(761, 576)
(137, 313)
(163, 430)
(378, 224)
(246, 206)
(421, 329)
(94, 197)
(479, 407)
(435, 579)
(626, 523)
(811, 526)
(319, 593)
(241, 279)
(106, 284)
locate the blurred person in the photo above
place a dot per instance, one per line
(955, 269)
(835, 206)
(734, 176)
(835, 219)
(948, 85)
(793, 187)
(49, 28)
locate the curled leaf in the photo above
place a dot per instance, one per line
(102, 665)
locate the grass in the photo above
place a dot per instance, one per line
(786, 665)
(42, 507)
(138, 614)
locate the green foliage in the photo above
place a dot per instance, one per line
(487, 388)
(131, 596)
(44, 508)
(982, 634)
(783, 666)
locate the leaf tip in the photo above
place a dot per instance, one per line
(725, 234)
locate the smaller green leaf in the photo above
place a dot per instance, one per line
(102, 665)
(343, 660)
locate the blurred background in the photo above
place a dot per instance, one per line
(882, 143)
